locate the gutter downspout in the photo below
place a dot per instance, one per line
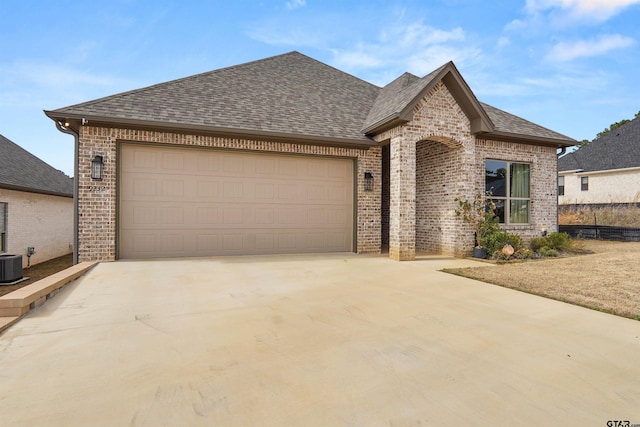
(562, 151)
(76, 185)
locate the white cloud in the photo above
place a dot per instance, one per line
(54, 83)
(357, 59)
(296, 4)
(278, 34)
(503, 42)
(599, 10)
(414, 47)
(567, 50)
(51, 75)
(400, 45)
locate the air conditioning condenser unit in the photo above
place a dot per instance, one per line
(10, 268)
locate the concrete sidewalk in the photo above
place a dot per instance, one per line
(332, 340)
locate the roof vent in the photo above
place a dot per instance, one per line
(10, 268)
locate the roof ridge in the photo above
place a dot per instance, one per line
(289, 94)
(207, 73)
(179, 79)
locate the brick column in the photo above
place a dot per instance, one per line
(402, 221)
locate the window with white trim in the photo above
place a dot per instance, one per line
(561, 186)
(584, 183)
(3, 227)
(510, 186)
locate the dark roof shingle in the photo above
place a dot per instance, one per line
(21, 170)
(289, 95)
(511, 124)
(395, 96)
(618, 149)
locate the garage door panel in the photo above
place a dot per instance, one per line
(208, 164)
(207, 243)
(265, 191)
(207, 189)
(206, 215)
(192, 202)
(142, 159)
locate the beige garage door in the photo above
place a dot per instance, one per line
(177, 202)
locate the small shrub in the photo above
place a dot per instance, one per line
(495, 240)
(559, 241)
(480, 213)
(556, 241)
(524, 254)
(547, 252)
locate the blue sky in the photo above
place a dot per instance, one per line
(570, 65)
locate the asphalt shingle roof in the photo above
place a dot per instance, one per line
(395, 96)
(290, 94)
(285, 95)
(21, 170)
(509, 123)
(618, 149)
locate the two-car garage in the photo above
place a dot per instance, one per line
(181, 202)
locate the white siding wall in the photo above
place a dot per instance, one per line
(39, 220)
(604, 187)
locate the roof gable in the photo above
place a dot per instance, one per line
(22, 171)
(396, 101)
(289, 94)
(618, 149)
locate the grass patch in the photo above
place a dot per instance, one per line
(604, 280)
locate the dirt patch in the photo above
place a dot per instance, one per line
(606, 280)
(39, 271)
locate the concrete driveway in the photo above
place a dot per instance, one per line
(338, 340)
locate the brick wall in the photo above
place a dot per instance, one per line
(402, 206)
(433, 164)
(434, 160)
(97, 199)
(39, 220)
(445, 160)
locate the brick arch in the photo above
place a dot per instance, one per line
(445, 140)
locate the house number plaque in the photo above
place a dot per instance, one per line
(98, 189)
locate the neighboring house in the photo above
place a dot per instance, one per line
(290, 155)
(605, 171)
(36, 206)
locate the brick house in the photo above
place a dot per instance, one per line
(605, 171)
(36, 206)
(290, 155)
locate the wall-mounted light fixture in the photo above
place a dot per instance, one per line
(543, 230)
(97, 167)
(368, 181)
